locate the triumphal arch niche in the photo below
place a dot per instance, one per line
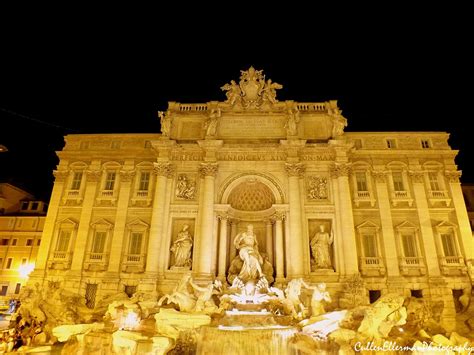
(261, 170)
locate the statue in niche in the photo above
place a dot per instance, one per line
(269, 91)
(320, 248)
(249, 266)
(181, 248)
(165, 121)
(185, 188)
(211, 123)
(292, 121)
(318, 189)
(233, 92)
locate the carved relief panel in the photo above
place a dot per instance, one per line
(186, 187)
(317, 188)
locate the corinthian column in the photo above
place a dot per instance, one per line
(340, 172)
(162, 172)
(222, 246)
(295, 266)
(116, 247)
(279, 247)
(208, 172)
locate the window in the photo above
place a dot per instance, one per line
(391, 143)
(416, 293)
(91, 291)
(24, 205)
(4, 241)
(38, 242)
(34, 206)
(76, 180)
(135, 243)
(110, 181)
(29, 242)
(14, 241)
(24, 261)
(358, 143)
(449, 247)
(98, 242)
(409, 245)
(144, 181)
(3, 291)
(9, 263)
(398, 181)
(361, 179)
(370, 245)
(130, 290)
(63, 241)
(434, 183)
(17, 288)
(425, 143)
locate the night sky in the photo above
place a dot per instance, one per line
(62, 79)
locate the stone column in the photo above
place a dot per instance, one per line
(295, 266)
(117, 243)
(340, 172)
(279, 247)
(48, 230)
(222, 247)
(233, 232)
(465, 238)
(162, 171)
(389, 246)
(269, 240)
(79, 247)
(426, 228)
(208, 171)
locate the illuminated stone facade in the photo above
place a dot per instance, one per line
(390, 203)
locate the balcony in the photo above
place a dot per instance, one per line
(371, 266)
(364, 197)
(107, 198)
(452, 265)
(401, 197)
(438, 197)
(60, 260)
(96, 262)
(142, 198)
(412, 266)
(134, 263)
(73, 197)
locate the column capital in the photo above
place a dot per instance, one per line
(163, 169)
(416, 175)
(453, 175)
(222, 216)
(208, 169)
(60, 175)
(340, 169)
(295, 169)
(379, 175)
(278, 216)
(93, 175)
(127, 175)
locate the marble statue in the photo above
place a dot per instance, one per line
(339, 122)
(233, 92)
(185, 188)
(293, 304)
(318, 189)
(320, 246)
(269, 91)
(292, 121)
(182, 295)
(165, 121)
(247, 246)
(320, 295)
(204, 301)
(211, 123)
(181, 248)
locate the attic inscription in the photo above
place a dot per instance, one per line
(253, 126)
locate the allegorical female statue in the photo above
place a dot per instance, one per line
(181, 248)
(320, 248)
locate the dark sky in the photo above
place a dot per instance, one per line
(78, 77)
